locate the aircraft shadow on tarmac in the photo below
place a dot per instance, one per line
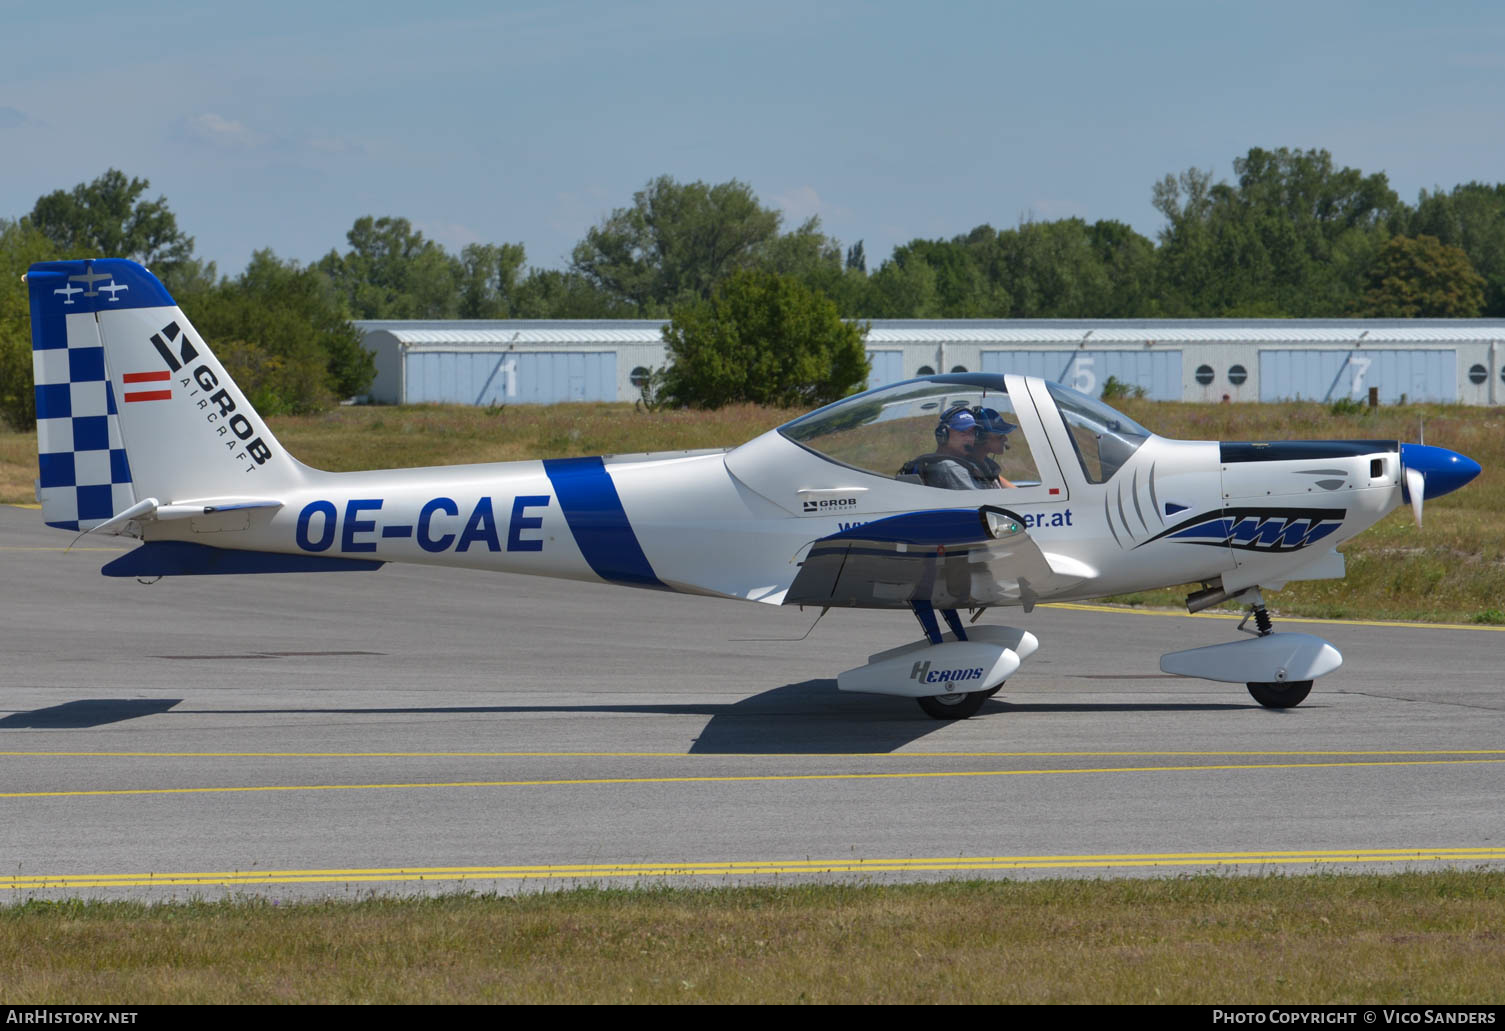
(810, 716)
(87, 712)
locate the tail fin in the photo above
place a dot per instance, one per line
(131, 403)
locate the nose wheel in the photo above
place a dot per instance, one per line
(1275, 695)
(1281, 696)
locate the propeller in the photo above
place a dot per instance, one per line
(1430, 472)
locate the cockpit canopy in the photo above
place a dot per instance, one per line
(885, 431)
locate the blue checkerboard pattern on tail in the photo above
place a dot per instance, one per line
(84, 477)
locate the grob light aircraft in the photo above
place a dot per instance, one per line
(141, 433)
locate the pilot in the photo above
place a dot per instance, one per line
(991, 440)
(953, 464)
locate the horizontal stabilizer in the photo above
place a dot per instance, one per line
(182, 558)
(150, 509)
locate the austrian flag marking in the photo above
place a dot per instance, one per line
(162, 376)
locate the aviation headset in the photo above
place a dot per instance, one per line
(958, 417)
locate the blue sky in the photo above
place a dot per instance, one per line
(277, 124)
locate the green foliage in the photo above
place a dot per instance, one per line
(108, 218)
(392, 272)
(552, 294)
(1116, 389)
(489, 280)
(287, 332)
(20, 246)
(277, 385)
(1061, 269)
(764, 338)
(1347, 406)
(1421, 277)
(1294, 236)
(676, 243)
(1471, 217)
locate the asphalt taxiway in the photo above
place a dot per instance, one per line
(420, 730)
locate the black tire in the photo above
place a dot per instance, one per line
(953, 706)
(1281, 696)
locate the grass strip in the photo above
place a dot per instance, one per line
(1414, 937)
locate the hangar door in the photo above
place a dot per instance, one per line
(509, 377)
(887, 367)
(1312, 375)
(1158, 372)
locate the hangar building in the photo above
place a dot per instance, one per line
(528, 361)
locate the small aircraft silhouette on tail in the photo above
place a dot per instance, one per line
(946, 494)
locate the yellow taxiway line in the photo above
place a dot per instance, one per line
(773, 867)
(742, 778)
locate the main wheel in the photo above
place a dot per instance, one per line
(954, 706)
(1281, 696)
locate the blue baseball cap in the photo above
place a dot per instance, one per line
(989, 421)
(958, 420)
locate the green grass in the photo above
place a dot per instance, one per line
(1403, 938)
(1453, 571)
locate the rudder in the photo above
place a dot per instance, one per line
(131, 402)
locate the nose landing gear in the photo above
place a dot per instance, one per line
(1277, 668)
(1271, 694)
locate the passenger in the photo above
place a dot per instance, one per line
(952, 464)
(992, 439)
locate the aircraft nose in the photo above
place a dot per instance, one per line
(1445, 471)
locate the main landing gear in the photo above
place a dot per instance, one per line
(948, 675)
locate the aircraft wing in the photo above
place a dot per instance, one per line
(951, 558)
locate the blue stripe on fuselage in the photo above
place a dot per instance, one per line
(595, 516)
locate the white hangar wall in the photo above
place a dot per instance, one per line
(541, 362)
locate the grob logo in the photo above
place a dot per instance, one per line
(829, 504)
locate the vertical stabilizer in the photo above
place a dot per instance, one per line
(131, 402)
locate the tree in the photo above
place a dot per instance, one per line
(20, 246)
(1472, 217)
(1052, 270)
(1128, 261)
(489, 280)
(857, 258)
(904, 287)
(763, 338)
(1421, 278)
(1293, 236)
(675, 243)
(281, 332)
(108, 219)
(392, 272)
(552, 294)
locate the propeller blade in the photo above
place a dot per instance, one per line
(1416, 486)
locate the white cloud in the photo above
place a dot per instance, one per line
(221, 133)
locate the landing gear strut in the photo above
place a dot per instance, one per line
(1274, 694)
(958, 705)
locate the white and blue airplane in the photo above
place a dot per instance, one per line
(969, 491)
